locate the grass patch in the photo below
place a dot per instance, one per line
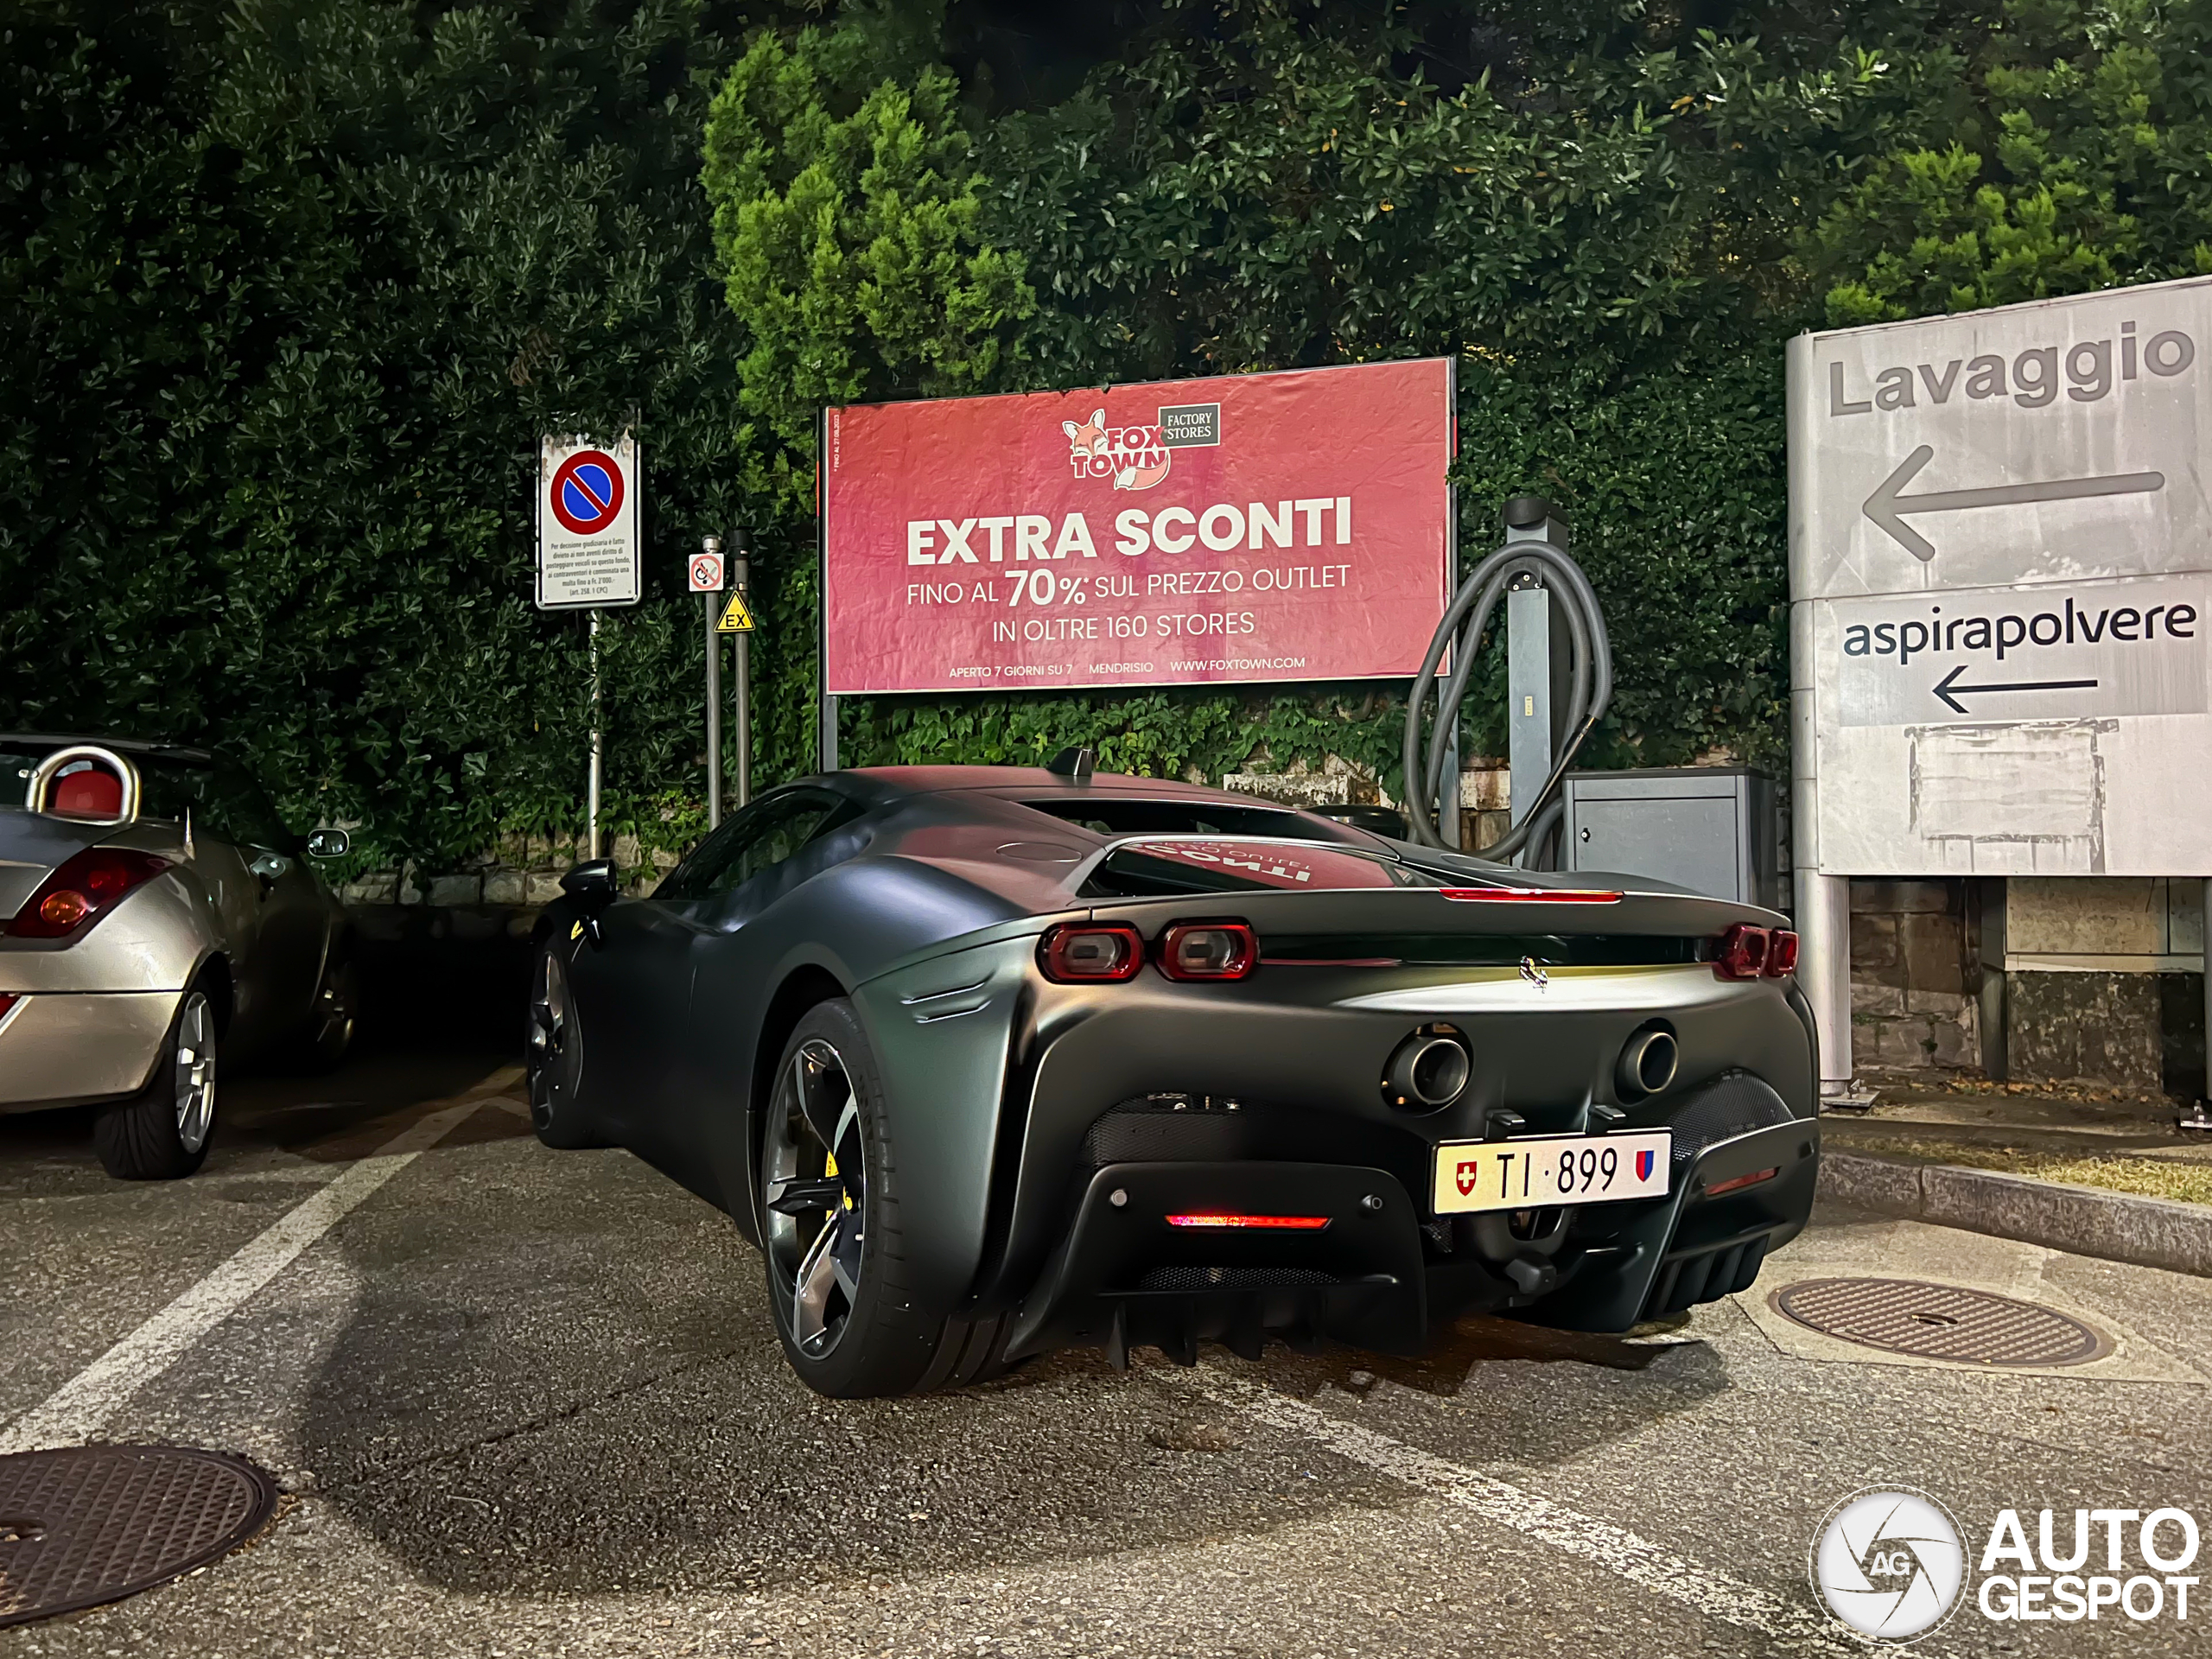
(2154, 1178)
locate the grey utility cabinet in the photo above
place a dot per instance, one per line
(1710, 829)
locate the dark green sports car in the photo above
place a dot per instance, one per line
(991, 1061)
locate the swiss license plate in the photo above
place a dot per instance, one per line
(1533, 1171)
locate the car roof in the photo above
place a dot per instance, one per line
(120, 745)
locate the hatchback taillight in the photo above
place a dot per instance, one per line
(82, 889)
(1208, 951)
(1748, 952)
(1075, 953)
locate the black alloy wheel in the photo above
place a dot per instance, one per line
(814, 1161)
(555, 1055)
(836, 1261)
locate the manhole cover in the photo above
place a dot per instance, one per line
(1940, 1322)
(95, 1523)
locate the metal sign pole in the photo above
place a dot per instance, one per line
(739, 542)
(712, 546)
(826, 729)
(591, 796)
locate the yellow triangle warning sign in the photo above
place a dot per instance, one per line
(736, 618)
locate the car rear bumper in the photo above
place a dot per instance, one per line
(1384, 1272)
(1126, 1276)
(67, 1048)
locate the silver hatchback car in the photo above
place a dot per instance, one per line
(159, 916)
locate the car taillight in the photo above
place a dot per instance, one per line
(1742, 1181)
(1267, 1224)
(1781, 953)
(1209, 951)
(1748, 952)
(8, 999)
(81, 890)
(1088, 953)
(1742, 953)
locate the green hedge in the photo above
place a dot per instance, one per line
(288, 290)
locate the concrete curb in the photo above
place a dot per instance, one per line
(2086, 1220)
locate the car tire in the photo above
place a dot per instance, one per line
(838, 1273)
(162, 1133)
(971, 1351)
(554, 1055)
(328, 1036)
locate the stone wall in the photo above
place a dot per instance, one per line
(521, 870)
(1915, 975)
(1485, 791)
(2104, 981)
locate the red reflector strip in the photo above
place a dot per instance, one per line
(1530, 895)
(1284, 1224)
(1751, 1179)
(8, 999)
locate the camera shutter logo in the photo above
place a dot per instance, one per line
(1889, 1564)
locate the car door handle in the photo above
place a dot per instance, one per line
(269, 868)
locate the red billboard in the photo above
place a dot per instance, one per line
(1291, 526)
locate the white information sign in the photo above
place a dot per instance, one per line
(587, 524)
(705, 573)
(2000, 567)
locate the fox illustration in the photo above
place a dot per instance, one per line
(1089, 438)
(1091, 442)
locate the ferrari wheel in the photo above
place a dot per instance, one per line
(161, 1133)
(836, 1261)
(554, 1056)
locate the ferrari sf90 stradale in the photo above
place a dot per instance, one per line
(991, 1061)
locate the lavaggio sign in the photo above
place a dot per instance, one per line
(2000, 539)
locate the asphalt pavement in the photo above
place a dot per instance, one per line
(524, 1402)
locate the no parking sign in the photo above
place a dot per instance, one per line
(586, 508)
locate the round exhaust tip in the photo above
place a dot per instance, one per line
(1647, 1064)
(1428, 1070)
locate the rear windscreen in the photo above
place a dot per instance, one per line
(1151, 869)
(1109, 817)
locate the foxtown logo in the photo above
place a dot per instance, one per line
(1891, 1566)
(1138, 457)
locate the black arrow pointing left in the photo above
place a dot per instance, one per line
(1950, 684)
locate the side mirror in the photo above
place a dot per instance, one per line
(593, 884)
(328, 843)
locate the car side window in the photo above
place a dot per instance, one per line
(757, 839)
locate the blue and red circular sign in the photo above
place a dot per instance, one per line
(586, 492)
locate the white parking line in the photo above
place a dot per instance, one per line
(1618, 1550)
(81, 1407)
